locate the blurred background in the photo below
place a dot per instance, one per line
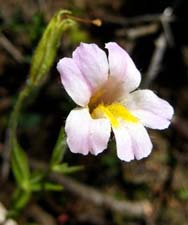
(107, 191)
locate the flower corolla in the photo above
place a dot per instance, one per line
(105, 90)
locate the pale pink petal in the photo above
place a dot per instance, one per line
(141, 142)
(93, 64)
(73, 81)
(123, 144)
(85, 134)
(132, 141)
(122, 67)
(151, 110)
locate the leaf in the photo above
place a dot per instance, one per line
(38, 186)
(19, 200)
(47, 186)
(59, 149)
(52, 187)
(38, 183)
(37, 176)
(65, 169)
(20, 166)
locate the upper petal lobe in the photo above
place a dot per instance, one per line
(92, 62)
(122, 67)
(73, 81)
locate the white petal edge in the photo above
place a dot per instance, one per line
(132, 141)
(122, 67)
(151, 110)
(85, 134)
(73, 81)
(92, 62)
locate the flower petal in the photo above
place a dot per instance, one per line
(123, 144)
(141, 142)
(85, 134)
(73, 81)
(132, 141)
(122, 67)
(93, 64)
(151, 110)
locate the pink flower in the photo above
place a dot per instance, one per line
(104, 88)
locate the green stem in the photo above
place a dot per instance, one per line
(11, 132)
(17, 109)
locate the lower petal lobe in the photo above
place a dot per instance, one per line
(85, 134)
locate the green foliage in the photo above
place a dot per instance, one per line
(57, 156)
(37, 176)
(38, 182)
(19, 199)
(46, 50)
(20, 166)
(183, 193)
(66, 169)
(27, 181)
(59, 149)
(76, 35)
(46, 186)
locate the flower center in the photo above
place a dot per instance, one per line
(114, 112)
(105, 103)
(108, 93)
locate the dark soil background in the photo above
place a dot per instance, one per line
(155, 34)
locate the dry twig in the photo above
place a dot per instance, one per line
(141, 209)
(40, 216)
(156, 61)
(137, 32)
(147, 18)
(11, 49)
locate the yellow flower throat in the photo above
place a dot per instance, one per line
(114, 112)
(105, 103)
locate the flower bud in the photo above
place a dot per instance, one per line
(46, 50)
